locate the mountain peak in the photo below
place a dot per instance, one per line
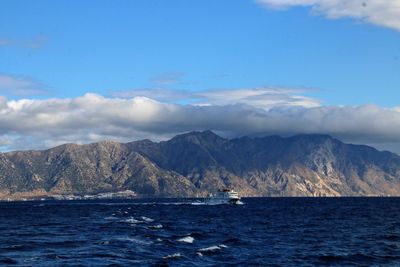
(202, 136)
(313, 135)
(314, 138)
(198, 133)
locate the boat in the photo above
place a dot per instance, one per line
(223, 196)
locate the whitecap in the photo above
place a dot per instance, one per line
(186, 239)
(147, 219)
(210, 249)
(172, 256)
(213, 248)
(157, 226)
(132, 220)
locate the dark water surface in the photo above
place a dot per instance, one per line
(264, 231)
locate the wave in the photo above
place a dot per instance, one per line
(157, 226)
(186, 239)
(211, 249)
(111, 218)
(173, 256)
(135, 240)
(146, 219)
(196, 203)
(6, 260)
(132, 220)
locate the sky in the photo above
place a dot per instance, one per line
(86, 71)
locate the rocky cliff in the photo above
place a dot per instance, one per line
(199, 162)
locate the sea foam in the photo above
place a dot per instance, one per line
(172, 256)
(147, 219)
(186, 239)
(214, 248)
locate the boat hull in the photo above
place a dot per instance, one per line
(224, 196)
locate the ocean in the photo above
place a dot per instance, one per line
(178, 232)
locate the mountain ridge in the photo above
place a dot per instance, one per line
(196, 163)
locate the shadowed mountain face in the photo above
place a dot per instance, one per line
(199, 162)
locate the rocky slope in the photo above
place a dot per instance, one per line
(199, 162)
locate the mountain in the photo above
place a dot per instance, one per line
(199, 162)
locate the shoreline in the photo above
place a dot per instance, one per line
(83, 198)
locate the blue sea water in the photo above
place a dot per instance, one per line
(173, 232)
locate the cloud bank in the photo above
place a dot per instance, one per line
(265, 97)
(29, 123)
(379, 12)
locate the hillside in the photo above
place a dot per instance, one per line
(199, 162)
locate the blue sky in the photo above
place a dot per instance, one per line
(99, 46)
(65, 49)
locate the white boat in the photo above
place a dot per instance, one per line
(223, 196)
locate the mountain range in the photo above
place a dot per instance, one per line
(196, 163)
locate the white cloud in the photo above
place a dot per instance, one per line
(160, 94)
(45, 123)
(380, 12)
(20, 86)
(263, 97)
(5, 141)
